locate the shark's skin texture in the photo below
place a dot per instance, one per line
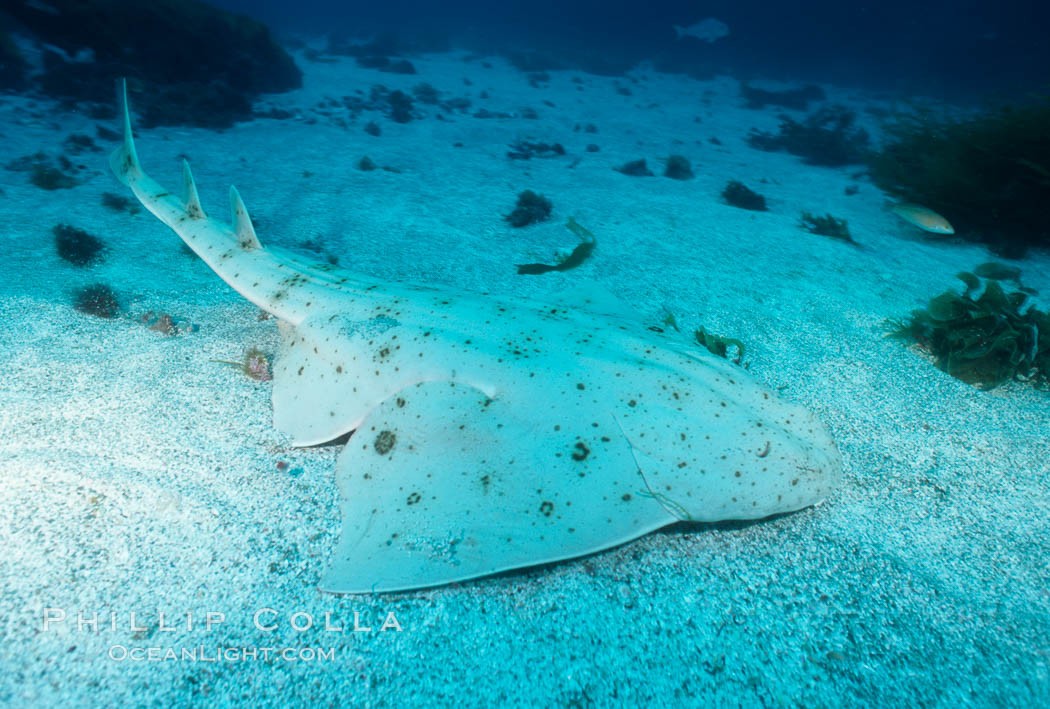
(494, 433)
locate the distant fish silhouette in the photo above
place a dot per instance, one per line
(923, 217)
(707, 30)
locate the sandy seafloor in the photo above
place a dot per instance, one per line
(139, 476)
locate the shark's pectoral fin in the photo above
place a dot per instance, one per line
(442, 484)
(334, 369)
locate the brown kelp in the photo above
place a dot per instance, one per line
(984, 336)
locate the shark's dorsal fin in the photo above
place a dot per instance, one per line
(189, 192)
(242, 223)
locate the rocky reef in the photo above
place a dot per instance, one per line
(192, 63)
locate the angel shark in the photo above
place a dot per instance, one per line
(493, 433)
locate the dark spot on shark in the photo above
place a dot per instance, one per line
(384, 442)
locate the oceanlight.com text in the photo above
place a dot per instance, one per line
(123, 653)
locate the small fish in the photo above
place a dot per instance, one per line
(707, 30)
(923, 217)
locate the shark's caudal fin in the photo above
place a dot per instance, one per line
(124, 160)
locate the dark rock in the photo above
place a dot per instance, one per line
(213, 105)
(458, 103)
(537, 79)
(530, 208)
(106, 134)
(635, 168)
(98, 300)
(400, 107)
(524, 150)
(486, 113)
(678, 168)
(119, 203)
(49, 178)
(78, 143)
(77, 246)
(373, 62)
(42, 171)
(740, 195)
(797, 99)
(426, 93)
(400, 66)
(210, 63)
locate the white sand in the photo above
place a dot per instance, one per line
(137, 476)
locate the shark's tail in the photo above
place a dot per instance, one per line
(124, 160)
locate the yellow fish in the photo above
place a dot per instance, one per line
(923, 217)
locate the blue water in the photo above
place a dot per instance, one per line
(959, 47)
